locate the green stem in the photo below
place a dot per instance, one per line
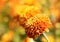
(46, 37)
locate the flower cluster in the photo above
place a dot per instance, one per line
(31, 19)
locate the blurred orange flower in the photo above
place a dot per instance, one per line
(2, 2)
(7, 37)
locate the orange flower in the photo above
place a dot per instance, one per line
(8, 36)
(24, 9)
(2, 2)
(36, 25)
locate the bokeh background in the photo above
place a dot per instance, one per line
(11, 31)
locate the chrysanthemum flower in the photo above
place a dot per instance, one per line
(25, 12)
(36, 25)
